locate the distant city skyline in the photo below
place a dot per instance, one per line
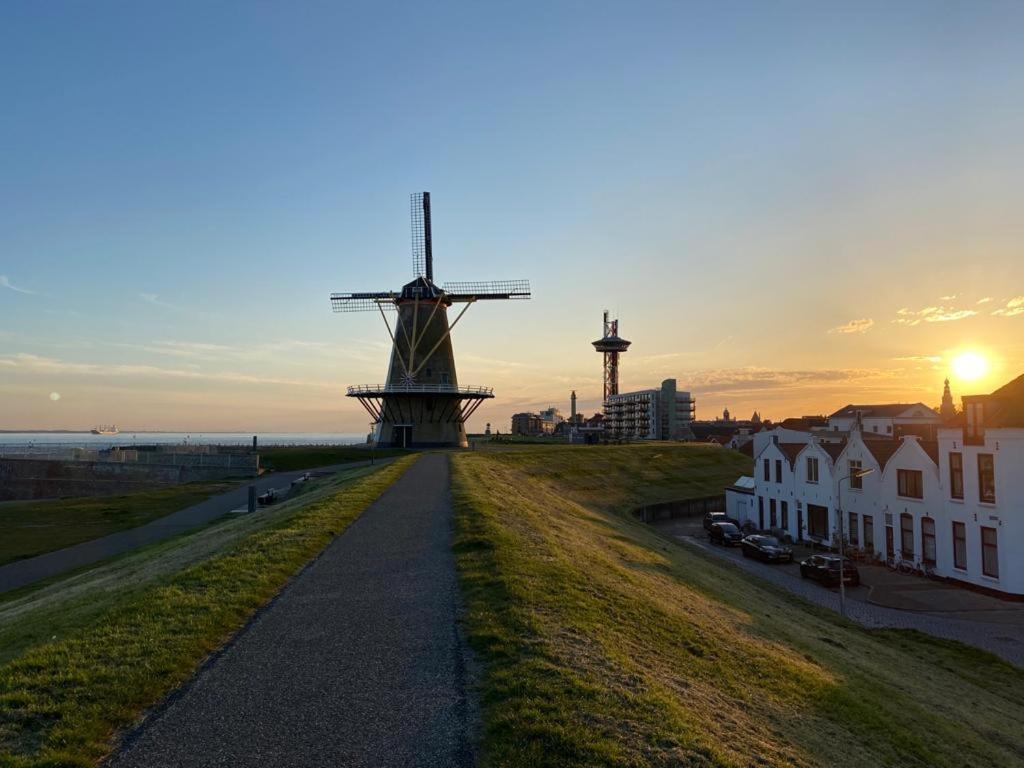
(789, 208)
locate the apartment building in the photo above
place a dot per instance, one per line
(650, 414)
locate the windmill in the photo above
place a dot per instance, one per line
(421, 404)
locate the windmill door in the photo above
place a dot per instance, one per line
(401, 436)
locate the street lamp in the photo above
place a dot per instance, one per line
(842, 537)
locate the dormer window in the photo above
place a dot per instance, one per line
(975, 419)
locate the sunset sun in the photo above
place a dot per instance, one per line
(969, 366)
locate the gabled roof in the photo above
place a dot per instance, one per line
(790, 450)
(804, 423)
(747, 449)
(882, 450)
(931, 447)
(833, 449)
(875, 411)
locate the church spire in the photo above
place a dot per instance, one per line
(947, 410)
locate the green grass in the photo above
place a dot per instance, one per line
(33, 527)
(603, 643)
(91, 653)
(288, 458)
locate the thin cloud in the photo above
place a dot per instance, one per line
(6, 283)
(985, 300)
(29, 363)
(156, 301)
(1014, 307)
(934, 314)
(948, 298)
(920, 358)
(863, 325)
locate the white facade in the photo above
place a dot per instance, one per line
(909, 506)
(739, 498)
(1003, 517)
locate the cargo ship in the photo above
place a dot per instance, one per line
(111, 430)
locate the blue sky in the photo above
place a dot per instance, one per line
(184, 184)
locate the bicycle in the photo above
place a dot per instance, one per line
(899, 565)
(928, 570)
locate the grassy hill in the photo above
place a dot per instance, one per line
(81, 657)
(33, 527)
(604, 644)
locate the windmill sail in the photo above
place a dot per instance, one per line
(487, 289)
(363, 302)
(422, 247)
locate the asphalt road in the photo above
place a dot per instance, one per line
(999, 634)
(21, 573)
(358, 662)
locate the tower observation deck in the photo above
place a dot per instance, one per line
(611, 345)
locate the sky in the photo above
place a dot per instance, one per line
(789, 206)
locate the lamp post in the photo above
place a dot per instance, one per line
(842, 538)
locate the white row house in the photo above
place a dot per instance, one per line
(955, 504)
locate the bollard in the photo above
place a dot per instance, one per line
(252, 498)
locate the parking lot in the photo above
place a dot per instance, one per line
(885, 598)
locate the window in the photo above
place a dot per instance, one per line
(989, 553)
(910, 483)
(907, 536)
(767, 470)
(778, 470)
(853, 529)
(812, 469)
(869, 533)
(445, 379)
(960, 546)
(773, 522)
(855, 467)
(888, 428)
(976, 421)
(987, 478)
(956, 475)
(928, 540)
(784, 505)
(760, 513)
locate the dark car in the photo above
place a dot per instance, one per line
(726, 534)
(825, 568)
(767, 548)
(717, 517)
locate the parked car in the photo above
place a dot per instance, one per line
(717, 517)
(767, 548)
(726, 534)
(825, 568)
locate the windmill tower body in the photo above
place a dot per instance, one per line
(421, 404)
(432, 417)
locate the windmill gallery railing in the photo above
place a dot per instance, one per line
(385, 401)
(442, 389)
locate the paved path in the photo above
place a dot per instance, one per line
(1004, 640)
(357, 663)
(21, 573)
